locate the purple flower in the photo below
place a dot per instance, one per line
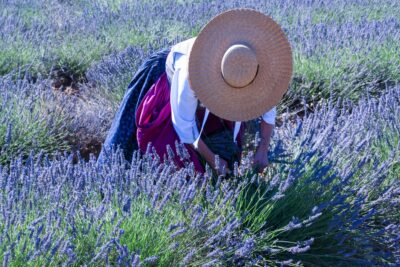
(178, 232)
(246, 249)
(215, 252)
(210, 263)
(151, 260)
(188, 257)
(6, 259)
(174, 226)
(135, 261)
(294, 224)
(127, 206)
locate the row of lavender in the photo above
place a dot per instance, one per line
(332, 197)
(345, 48)
(35, 118)
(349, 45)
(342, 49)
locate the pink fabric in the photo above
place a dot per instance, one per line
(154, 124)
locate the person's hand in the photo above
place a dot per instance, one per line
(212, 159)
(260, 160)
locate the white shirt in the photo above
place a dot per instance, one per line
(183, 100)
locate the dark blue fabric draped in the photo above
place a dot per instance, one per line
(122, 133)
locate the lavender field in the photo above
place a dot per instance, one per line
(330, 198)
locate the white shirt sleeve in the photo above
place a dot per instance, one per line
(183, 103)
(269, 116)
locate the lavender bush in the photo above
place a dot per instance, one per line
(342, 50)
(320, 204)
(26, 123)
(34, 118)
(348, 45)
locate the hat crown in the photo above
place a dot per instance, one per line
(239, 66)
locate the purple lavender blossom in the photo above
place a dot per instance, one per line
(151, 260)
(246, 249)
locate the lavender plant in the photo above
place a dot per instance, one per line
(98, 46)
(34, 118)
(26, 123)
(324, 205)
(343, 46)
(331, 197)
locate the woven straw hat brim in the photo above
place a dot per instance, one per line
(266, 38)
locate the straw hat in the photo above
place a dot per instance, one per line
(240, 64)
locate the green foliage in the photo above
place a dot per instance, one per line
(26, 127)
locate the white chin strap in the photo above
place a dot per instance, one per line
(235, 131)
